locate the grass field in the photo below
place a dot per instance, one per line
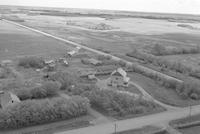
(18, 42)
(168, 96)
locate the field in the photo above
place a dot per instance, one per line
(169, 44)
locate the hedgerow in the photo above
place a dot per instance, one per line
(31, 62)
(66, 79)
(34, 112)
(47, 89)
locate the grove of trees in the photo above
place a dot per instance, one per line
(119, 104)
(34, 112)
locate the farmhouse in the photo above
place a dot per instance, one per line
(8, 99)
(119, 78)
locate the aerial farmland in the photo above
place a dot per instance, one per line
(67, 71)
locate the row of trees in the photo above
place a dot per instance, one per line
(160, 50)
(34, 112)
(47, 89)
(186, 89)
(31, 62)
(118, 104)
(166, 64)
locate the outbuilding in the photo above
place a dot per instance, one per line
(8, 99)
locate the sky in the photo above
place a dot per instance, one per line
(164, 6)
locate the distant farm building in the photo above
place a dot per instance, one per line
(90, 74)
(92, 61)
(73, 52)
(8, 99)
(63, 61)
(50, 65)
(119, 78)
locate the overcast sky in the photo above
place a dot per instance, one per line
(168, 6)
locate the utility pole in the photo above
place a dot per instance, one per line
(115, 128)
(190, 110)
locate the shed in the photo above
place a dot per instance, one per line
(94, 61)
(8, 99)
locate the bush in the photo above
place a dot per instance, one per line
(104, 57)
(38, 93)
(31, 62)
(23, 94)
(47, 89)
(34, 112)
(66, 79)
(79, 89)
(115, 103)
(5, 72)
(51, 87)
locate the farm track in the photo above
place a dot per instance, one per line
(108, 128)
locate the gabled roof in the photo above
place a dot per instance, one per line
(94, 61)
(71, 52)
(14, 97)
(119, 72)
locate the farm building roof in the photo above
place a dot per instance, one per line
(119, 71)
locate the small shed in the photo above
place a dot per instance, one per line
(95, 62)
(119, 78)
(48, 62)
(8, 99)
(71, 53)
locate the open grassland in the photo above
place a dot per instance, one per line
(18, 42)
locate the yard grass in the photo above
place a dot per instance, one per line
(167, 96)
